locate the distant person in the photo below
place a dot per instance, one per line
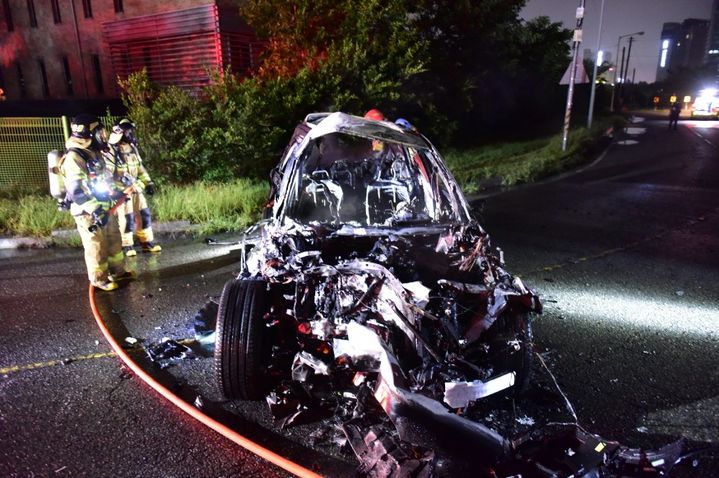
(674, 115)
(134, 217)
(91, 189)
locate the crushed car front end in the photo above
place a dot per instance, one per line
(371, 287)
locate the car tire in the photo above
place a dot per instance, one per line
(241, 343)
(516, 325)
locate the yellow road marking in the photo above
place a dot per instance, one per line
(52, 363)
(68, 360)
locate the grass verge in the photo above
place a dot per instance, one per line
(524, 162)
(215, 207)
(233, 206)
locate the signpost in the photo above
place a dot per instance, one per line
(575, 54)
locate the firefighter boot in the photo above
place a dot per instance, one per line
(129, 251)
(106, 285)
(151, 247)
(124, 276)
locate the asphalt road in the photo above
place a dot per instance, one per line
(624, 254)
(626, 257)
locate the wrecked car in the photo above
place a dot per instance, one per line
(369, 295)
(371, 269)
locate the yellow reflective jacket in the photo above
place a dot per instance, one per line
(133, 165)
(86, 178)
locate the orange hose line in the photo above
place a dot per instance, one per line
(220, 428)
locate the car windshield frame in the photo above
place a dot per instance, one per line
(438, 200)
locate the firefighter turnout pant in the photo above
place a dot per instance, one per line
(134, 217)
(103, 248)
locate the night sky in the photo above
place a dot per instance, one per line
(622, 17)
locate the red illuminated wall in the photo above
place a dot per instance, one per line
(178, 48)
(174, 39)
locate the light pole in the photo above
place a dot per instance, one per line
(594, 73)
(614, 86)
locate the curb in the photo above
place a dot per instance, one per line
(166, 230)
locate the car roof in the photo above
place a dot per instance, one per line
(366, 128)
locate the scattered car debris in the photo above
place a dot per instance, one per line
(369, 295)
(204, 323)
(525, 420)
(131, 340)
(168, 352)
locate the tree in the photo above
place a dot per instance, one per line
(359, 52)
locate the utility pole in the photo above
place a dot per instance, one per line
(626, 73)
(621, 64)
(620, 80)
(573, 68)
(594, 73)
(626, 67)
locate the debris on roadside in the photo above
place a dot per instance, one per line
(204, 323)
(168, 352)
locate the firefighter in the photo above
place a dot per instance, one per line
(91, 190)
(134, 216)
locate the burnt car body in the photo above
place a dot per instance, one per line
(370, 294)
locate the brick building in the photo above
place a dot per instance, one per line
(76, 49)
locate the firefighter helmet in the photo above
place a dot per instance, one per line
(374, 114)
(87, 126)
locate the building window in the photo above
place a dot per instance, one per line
(21, 81)
(31, 13)
(8, 15)
(87, 8)
(56, 12)
(68, 76)
(118, 6)
(43, 75)
(98, 74)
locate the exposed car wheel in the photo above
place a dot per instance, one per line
(513, 348)
(241, 343)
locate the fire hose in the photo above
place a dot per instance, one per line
(191, 410)
(120, 201)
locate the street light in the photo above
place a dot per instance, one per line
(614, 82)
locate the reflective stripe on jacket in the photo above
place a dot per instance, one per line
(78, 180)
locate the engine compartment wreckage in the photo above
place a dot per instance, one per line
(370, 296)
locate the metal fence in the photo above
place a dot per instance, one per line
(24, 144)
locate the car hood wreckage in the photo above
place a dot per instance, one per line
(370, 297)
